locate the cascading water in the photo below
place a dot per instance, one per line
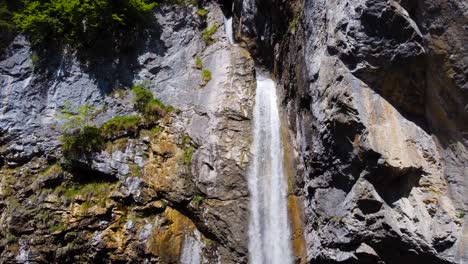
(269, 234)
(229, 30)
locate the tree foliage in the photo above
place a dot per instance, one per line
(7, 27)
(81, 22)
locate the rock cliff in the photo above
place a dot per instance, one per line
(373, 99)
(374, 96)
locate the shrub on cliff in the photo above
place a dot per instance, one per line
(82, 142)
(80, 136)
(81, 22)
(121, 125)
(151, 108)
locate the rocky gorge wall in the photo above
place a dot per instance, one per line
(373, 98)
(174, 192)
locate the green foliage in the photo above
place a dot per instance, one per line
(80, 21)
(7, 26)
(80, 137)
(197, 199)
(461, 214)
(56, 228)
(151, 108)
(206, 75)
(82, 142)
(135, 170)
(142, 98)
(53, 169)
(188, 154)
(198, 63)
(5, 16)
(202, 12)
(208, 33)
(121, 125)
(188, 149)
(78, 118)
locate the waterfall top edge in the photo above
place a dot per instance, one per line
(263, 74)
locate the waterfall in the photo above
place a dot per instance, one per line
(269, 234)
(229, 31)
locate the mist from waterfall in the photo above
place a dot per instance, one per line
(269, 233)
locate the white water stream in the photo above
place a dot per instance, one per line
(269, 234)
(229, 30)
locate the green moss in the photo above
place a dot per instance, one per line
(55, 228)
(208, 33)
(188, 153)
(206, 75)
(202, 12)
(121, 126)
(188, 149)
(296, 13)
(53, 169)
(93, 189)
(118, 144)
(198, 63)
(151, 132)
(135, 170)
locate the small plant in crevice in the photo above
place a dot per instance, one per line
(188, 148)
(202, 13)
(198, 63)
(208, 33)
(461, 214)
(206, 75)
(197, 199)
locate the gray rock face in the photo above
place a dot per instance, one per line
(145, 172)
(368, 89)
(374, 111)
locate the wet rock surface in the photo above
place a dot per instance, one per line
(376, 131)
